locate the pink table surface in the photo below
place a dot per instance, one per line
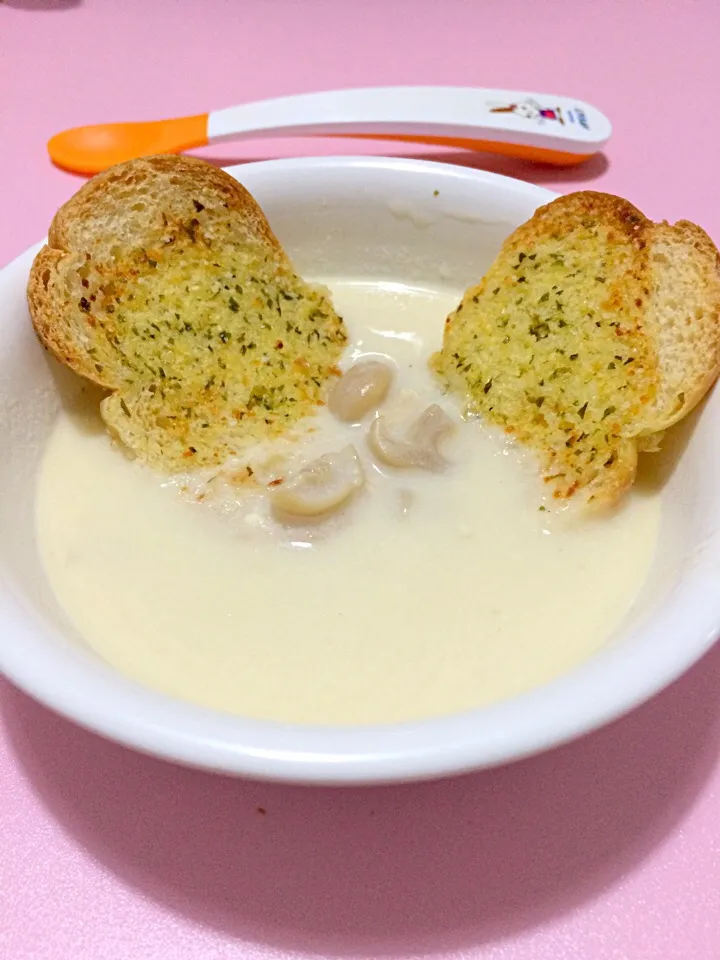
(608, 849)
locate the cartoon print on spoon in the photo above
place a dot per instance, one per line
(530, 109)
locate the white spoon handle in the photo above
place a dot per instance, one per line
(533, 121)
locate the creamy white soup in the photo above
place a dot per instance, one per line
(429, 592)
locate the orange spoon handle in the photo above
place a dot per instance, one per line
(92, 149)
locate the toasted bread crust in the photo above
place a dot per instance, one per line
(693, 256)
(588, 203)
(76, 221)
(76, 225)
(163, 283)
(45, 304)
(605, 369)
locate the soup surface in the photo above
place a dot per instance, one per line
(430, 593)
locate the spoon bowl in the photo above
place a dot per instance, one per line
(94, 148)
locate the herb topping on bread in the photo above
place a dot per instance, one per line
(163, 283)
(592, 332)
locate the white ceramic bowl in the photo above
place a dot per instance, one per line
(370, 219)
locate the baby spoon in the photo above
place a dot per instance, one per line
(549, 129)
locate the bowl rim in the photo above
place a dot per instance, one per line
(602, 688)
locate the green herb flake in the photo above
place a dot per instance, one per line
(540, 330)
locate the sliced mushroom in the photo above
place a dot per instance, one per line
(419, 446)
(320, 487)
(361, 389)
